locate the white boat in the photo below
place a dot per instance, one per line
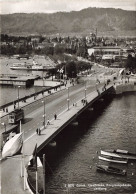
(41, 67)
(112, 160)
(119, 151)
(110, 154)
(119, 154)
(12, 146)
(21, 66)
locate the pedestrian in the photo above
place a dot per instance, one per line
(6, 109)
(48, 122)
(3, 109)
(55, 116)
(14, 106)
(37, 130)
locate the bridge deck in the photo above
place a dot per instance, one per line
(12, 182)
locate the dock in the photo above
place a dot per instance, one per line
(15, 80)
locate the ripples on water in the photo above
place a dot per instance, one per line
(74, 159)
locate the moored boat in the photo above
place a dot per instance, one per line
(21, 66)
(125, 152)
(110, 169)
(110, 154)
(119, 154)
(111, 159)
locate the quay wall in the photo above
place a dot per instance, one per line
(122, 88)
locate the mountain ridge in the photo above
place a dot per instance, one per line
(83, 21)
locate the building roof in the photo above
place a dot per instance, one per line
(107, 47)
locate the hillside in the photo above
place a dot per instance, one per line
(106, 20)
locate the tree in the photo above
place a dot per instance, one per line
(131, 63)
(59, 49)
(71, 69)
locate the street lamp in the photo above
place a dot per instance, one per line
(18, 96)
(68, 98)
(4, 126)
(44, 111)
(85, 90)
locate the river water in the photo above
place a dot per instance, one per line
(71, 165)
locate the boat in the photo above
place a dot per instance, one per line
(110, 154)
(12, 146)
(119, 151)
(109, 169)
(42, 67)
(38, 68)
(111, 159)
(30, 67)
(119, 154)
(21, 66)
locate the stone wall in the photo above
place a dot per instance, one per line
(121, 88)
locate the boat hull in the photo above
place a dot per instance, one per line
(112, 160)
(119, 155)
(112, 170)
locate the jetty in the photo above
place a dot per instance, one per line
(15, 80)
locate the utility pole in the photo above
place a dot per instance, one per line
(43, 111)
(85, 90)
(18, 96)
(68, 98)
(43, 173)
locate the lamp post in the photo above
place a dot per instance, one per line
(43, 111)
(4, 125)
(65, 73)
(43, 173)
(85, 90)
(68, 98)
(18, 96)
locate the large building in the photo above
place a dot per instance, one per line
(105, 50)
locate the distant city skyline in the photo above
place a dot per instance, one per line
(51, 6)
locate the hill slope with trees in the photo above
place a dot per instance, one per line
(115, 21)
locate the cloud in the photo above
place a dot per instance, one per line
(49, 6)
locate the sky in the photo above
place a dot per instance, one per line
(51, 6)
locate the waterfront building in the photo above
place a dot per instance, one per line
(103, 50)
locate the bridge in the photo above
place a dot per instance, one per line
(74, 100)
(72, 109)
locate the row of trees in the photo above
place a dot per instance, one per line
(9, 49)
(70, 69)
